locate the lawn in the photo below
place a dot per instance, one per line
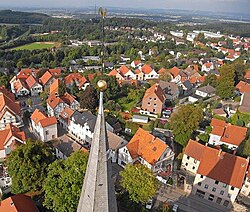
(37, 45)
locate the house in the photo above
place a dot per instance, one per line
(186, 87)
(148, 150)
(64, 117)
(218, 176)
(33, 85)
(115, 143)
(245, 190)
(208, 66)
(245, 103)
(18, 203)
(19, 87)
(247, 76)
(116, 74)
(219, 112)
(10, 111)
(149, 72)
(81, 126)
(11, 137)
(170, 89)
(205, 91)
(139, 75)
(44, 127)
(136, 63)
(56, 72)
(54, 87)
(126, 72)
(56, 104)
(243, 87)
(77, 78)
(227, 134)
(46, 79)
(153, 100)
(140, 119)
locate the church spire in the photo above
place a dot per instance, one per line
(98, 193)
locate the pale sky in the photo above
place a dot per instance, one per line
(207, 5)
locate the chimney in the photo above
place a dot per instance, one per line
(234, 152)
(219, 153)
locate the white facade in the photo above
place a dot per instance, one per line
(245, 190)
(201, 93)
(36, 89)
(8, 118)
(152, 75)
(215, 141)
(214, 191)
(45, 133)
(190, 164)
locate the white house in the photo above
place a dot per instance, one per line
(19, 87)
(10, 110)
(81, 126)
(206, 91)
(148, 150)
(33, 85)
(207, 67)
(44, 127)
(219, 176)
(11, 137)
(227, 134)
(149, 73)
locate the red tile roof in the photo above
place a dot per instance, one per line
(243, 87)
(157, 90)
(54, 87)
(146, 69)
(18, 203)
(31, 81)
(124, 69)
(39, 117)
(9, 132)
(145, 145)
(217, 122)
(46, 77)
(56, 72)
(224, 167)
(73, 77)
(194, 150)
(162, 71)
(247, 75)
(7, 103)
(24, 74)
(113, 73)
(174, 71)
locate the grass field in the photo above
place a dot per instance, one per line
(38, 45)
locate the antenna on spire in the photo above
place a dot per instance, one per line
(103, 13)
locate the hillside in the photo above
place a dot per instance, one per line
(16, 17)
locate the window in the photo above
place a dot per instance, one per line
(201, 176)
(214, 189)
(218, 201)
(188, 157)
(155, 99)
(195, 161)
(229, 195)
(46, 132)
(211, 197)
(199, 183)
(148, 103)
(206, 186)
(246, 186)
(193, 168)
(232, 188)
(226, 203)
(221, 192)
(225, 185)
(186, 164)
(216, 182)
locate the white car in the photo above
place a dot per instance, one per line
(149, 204)
(175, 208)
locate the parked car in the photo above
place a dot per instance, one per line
(175, 208)
(149, 204)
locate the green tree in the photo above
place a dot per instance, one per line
(140, 183)
(185, 121)
(74, 90)
(225, 84)
(211, 79)
(29, 102)
(89, 98)
(28, 166)
(244, 148)
(64, 182)
(240, 70)
(4, 81)
(62, 88)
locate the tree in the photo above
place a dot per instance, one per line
(4, 81)
(89, 98)
(225, 84)
(62, 88)
(74, 90)
(28, 166)
(211, 79)
(29, 102)
(240, 70)
(244, 148)
(165, 77)
(140, 183)
(185, 121)
(64, 182)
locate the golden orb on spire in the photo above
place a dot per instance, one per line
(102, 85)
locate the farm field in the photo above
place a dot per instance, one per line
(37, 45)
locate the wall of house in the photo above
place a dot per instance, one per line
(124, 157)
(214, 139)
(8, 118)
(36, 89)
(200, 93)
(22, 92)
(190, 164)
(49, 133)
(2, 153)
(151, 75)
(245, 190)
(217, 189)
(152, 104)
(80, 132)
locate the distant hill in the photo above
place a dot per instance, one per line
(16, 17)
